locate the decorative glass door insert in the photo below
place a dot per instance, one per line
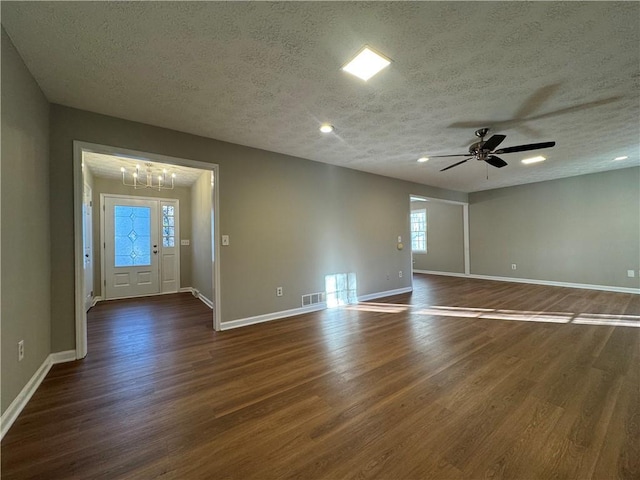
(132, 236)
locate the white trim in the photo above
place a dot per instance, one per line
(78, 148)
(11, 414)
(444, 274)
(196, 293)
(80, 312)
(550, 283)
(215, 249)
(97, 299)
(465, 227)
(267, 317)
(205, 300)
(388, 293)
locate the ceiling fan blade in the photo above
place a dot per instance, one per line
(495, 161)
(493, 142)
(524, 148)
(456, 164)
(443, 156)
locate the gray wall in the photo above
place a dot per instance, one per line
(25, 282)
(582, 229)
(445, 238)
(183, 194)
(291, 221)
(202, 266)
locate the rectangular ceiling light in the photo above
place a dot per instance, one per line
(527, 161)
(366, 64)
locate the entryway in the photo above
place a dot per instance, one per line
(141, 244)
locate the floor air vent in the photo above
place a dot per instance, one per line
(312, 299)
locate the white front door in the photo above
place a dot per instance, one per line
(87, 245)
(131, 247)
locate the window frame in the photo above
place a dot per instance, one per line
(422, 231)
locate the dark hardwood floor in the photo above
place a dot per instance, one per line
(461, 379)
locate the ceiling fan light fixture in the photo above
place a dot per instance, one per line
(423, 159)
(326, 128)
(366, 64)
(624, 157)
(537, 159)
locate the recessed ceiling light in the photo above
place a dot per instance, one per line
(326, 128)
(366, 64)
(527, 161)
(423, 159)
(620, 158)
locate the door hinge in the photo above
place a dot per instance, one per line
(104, 245)
(91, 293)
(90, 203)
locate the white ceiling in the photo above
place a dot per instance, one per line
(108, 166)
(268, 74)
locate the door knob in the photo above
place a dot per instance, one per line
(155, 251)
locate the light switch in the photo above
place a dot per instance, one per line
(399, 239)
(225, 239)
(185, 242)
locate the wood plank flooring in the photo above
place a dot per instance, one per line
(462, 379)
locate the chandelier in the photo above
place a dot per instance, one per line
(146, 178)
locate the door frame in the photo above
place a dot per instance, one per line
(87, 227)
(78, 181)
(465, 229)
(103, 273)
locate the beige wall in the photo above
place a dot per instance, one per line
(445, 238)
(25, 251)
(582, 229)
(183, 194)
(202, 266)
(291, 221)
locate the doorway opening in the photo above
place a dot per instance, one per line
(170, 243)
(439, 236)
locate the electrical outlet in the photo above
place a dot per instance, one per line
(631, 273)
(514, 266)
(279, 292)
(225, 240)
(400, 274)
(20, 350)
(185, 242)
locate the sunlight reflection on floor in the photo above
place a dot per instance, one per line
(503, 314)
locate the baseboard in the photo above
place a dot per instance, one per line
(445, 274)
(205, 300)
(388, 293)
(96, 300)
(243, 322)
(63, 357)
(185, 290)
(550, 283)
(11, 414)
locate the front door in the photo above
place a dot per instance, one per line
(131, 247)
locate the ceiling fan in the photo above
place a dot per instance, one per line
(485, 151)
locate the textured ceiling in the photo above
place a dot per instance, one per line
(268, 74)
(108, 166)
